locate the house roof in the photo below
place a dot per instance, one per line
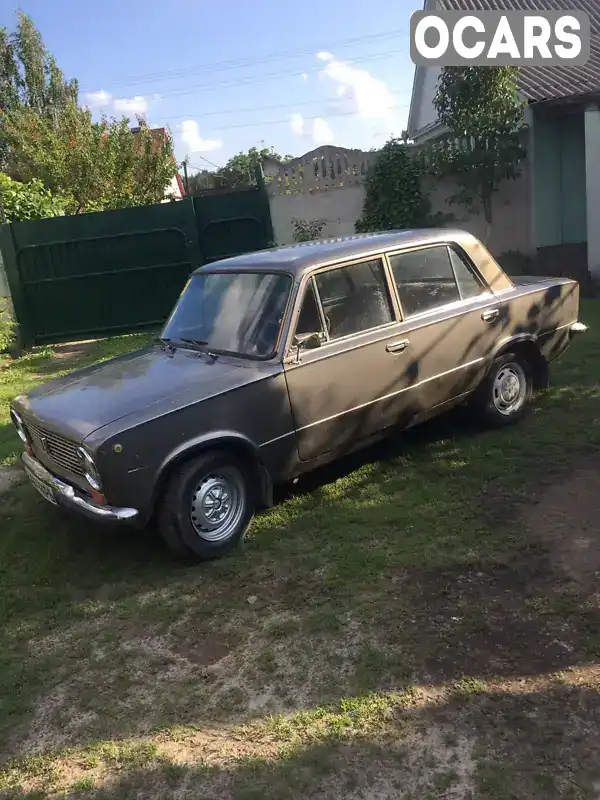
(548, 83)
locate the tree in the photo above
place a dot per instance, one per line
(204, 179)
(394, 196)
(30, 78)
(238, 171)
(483, 112)
(99, 165)
(21, 201)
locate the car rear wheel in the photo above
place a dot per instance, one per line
(506, 392)
(207, 507)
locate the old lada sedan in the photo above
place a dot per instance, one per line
(275, 362)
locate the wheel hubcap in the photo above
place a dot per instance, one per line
(218, 504)
(510, 388)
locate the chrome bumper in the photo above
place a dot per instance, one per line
(69, 497)
(577, 327)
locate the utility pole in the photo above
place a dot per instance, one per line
(186, 182)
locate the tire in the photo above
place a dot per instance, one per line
(193, 517)
(495, 400)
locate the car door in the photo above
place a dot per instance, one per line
(346, 386)
(451, 320)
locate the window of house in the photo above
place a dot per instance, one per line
(354, 298)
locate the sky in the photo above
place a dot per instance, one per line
(229, 75)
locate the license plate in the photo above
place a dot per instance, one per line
(46, 492)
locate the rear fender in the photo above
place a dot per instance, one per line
(528, 345)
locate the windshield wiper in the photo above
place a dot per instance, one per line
(200, 345)
(170, 343)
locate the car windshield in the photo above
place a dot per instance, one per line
(231, 312)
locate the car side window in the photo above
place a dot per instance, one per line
(425, 279)
(309, 320)
(469, 285)
(355, 298)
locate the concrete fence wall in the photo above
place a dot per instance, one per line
(339, 208)
(511, 215)
(318, 186)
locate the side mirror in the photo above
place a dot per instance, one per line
(308, 341)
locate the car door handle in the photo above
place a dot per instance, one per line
(490, 315)
(397, 347)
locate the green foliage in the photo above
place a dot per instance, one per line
(484, 114)
(100, 165)
(8, 329)
(200, 181)
(394, 195)
(29, 78)
(21, 201)
(307, 230)
(238, 171)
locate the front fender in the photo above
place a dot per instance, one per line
(214, 440)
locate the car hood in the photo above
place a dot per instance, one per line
(80, 403)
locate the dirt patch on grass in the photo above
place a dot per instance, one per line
(565, 516)
(205, 653)
(10, 476)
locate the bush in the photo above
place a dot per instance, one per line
(22, 201)
(8, 329)
(394, 196)
(307, 230)
(514, 262)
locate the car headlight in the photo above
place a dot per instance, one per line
(90, 470)
(18, 423)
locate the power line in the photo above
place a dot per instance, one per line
(212, 163)
(237, 63)
(250, 109)
(263, 123)
(264, 78)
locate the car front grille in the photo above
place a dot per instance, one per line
(59, 450)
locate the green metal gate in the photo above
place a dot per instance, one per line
(118, 271)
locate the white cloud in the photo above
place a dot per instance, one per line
(304, 76)
(123, 105)
(372, 99)
(321, 132)
(190, 135)
(99, 99)
(131, 105)
(297, 124)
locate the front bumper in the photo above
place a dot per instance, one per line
(67, 496)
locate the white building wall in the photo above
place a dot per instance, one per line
(592, 188)
(423, 112)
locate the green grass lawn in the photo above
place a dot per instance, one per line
(421, 620)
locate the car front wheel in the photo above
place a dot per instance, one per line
(506, 392)
(207, 507)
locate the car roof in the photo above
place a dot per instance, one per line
(298, 258)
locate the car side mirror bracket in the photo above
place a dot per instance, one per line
(306, 341)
